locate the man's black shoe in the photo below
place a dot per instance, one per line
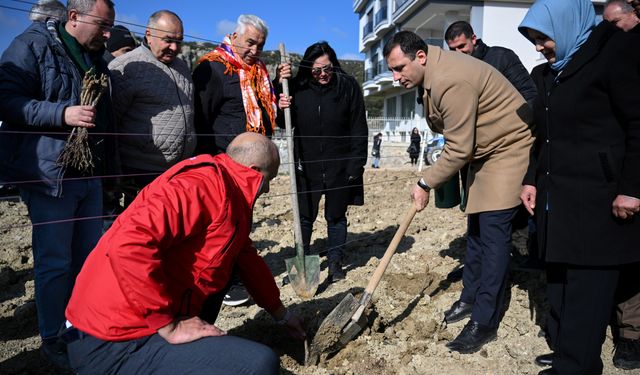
(544, 360)
(458, 311)
(336, 272)
(55, 353)
(473, 336)
(236, 296)
(627, 355)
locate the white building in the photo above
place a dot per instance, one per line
(496, 22)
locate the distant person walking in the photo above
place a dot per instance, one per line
(375, 150)
(414, 146)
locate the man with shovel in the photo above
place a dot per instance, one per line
(485, 122)
(148, 294)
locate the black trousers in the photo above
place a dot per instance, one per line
(580, 301)
(486, 263)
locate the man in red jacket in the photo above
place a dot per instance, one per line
(157, 277)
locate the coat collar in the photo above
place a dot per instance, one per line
(248, 180)
(433, 57)
(480, 50)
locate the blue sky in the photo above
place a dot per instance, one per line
(297, 23)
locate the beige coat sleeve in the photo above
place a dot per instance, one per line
(456, 101)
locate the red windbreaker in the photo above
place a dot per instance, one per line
(175, 245)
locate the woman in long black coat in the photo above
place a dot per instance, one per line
(331, 135)
(414, 146)
(584, 174)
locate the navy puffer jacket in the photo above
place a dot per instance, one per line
(38, 80)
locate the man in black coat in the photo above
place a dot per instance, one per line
(460, 37)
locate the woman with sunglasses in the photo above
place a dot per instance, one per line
(330, 136)
(584, 174)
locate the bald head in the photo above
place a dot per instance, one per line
(257, 152)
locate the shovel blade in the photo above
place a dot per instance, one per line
(304, 274)
(327, 338)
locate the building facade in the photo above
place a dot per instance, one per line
(495, 22)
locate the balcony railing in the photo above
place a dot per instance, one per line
(367, 29)
(381, 16)
(400, 3)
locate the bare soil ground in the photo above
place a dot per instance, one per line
(404, 334)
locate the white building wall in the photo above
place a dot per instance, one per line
(500, 28)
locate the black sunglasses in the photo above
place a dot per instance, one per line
(324, 69)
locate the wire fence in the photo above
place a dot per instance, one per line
(395, 135)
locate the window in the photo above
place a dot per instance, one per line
(391, 107)
(408, 104)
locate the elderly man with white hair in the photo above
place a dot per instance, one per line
(233, 95)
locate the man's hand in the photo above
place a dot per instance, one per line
(420, 197)
(188, 330)
(292, 322)
(81, 116)
(624, 206)
(528, 197)
(284, 101)
(295, 327)
(283, 72)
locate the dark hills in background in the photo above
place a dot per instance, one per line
(192, 51)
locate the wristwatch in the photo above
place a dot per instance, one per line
(423, 185)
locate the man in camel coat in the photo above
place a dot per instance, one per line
(485, 122)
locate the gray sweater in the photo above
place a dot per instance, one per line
(153, 102)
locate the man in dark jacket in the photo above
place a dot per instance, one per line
(460, 37)
(148, 295)
(233, 95)
(41, 76)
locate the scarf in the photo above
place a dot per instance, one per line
(567, 22)
(254, 85)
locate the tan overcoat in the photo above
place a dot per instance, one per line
(485, 122)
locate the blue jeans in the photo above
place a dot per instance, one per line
(154, 355)
(61, 244)
(376, 162)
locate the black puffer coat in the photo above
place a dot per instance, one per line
(509, 64)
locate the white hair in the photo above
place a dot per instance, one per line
(254, 21)
(44, 9)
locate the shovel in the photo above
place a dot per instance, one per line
(304, 271)
(347, 319)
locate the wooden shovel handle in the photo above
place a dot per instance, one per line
(391, 249)
(297, 228)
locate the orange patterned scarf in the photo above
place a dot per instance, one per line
(254, 85)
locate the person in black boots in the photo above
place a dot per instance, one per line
(330, 146)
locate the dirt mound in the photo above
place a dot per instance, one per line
(404, 333)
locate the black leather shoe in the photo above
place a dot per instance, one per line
(458, 311)
(336, 272)
(473, 336)
(544, 360)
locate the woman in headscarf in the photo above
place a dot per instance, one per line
(584, 173)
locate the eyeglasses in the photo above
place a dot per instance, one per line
(323, 69)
